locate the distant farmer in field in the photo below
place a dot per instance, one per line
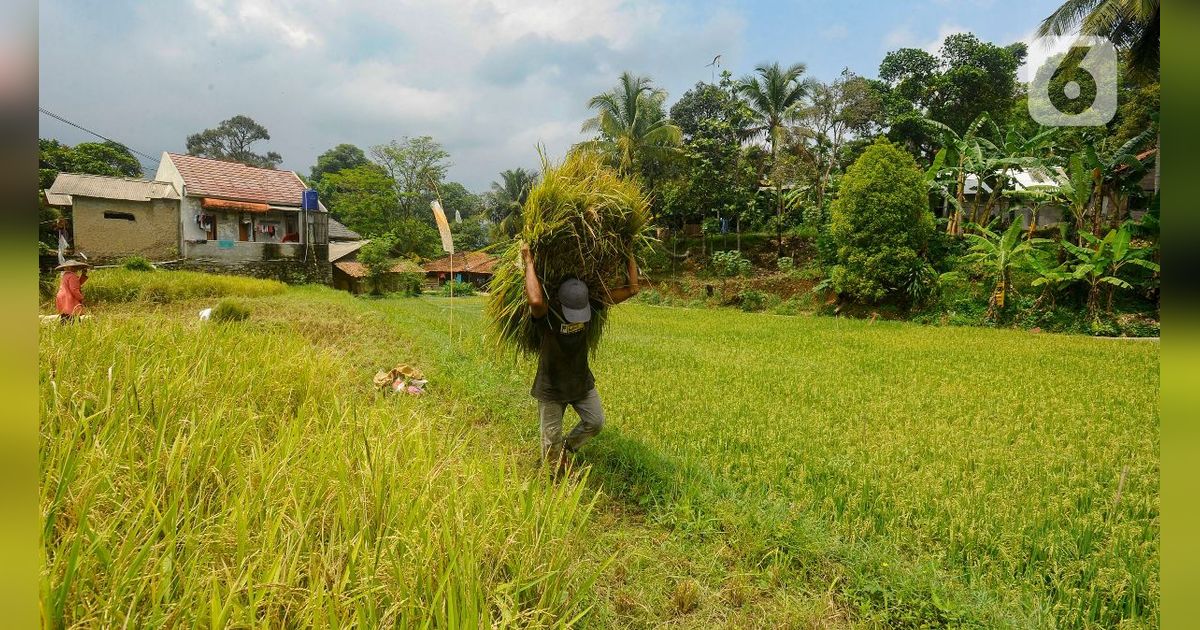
(563, 376)
(70, 289)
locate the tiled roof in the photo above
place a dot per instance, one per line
(356, 269)
(471, 262)
(107, 188)
(203, 177)
(340, 249)
(339, 232)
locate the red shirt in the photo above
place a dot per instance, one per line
(70, 294)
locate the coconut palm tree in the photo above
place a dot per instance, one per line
(507, 198)
(633, 124)
(1132, 25)
(775, 95)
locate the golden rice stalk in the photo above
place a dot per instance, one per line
(581, 220)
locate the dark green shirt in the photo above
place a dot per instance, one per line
(563, 374)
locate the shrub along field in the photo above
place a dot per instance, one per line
(755, 471)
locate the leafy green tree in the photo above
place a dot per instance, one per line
(1000, 254)
(417, 166)
(1132, 25)
(880, 224)
(414, 238)
(707, 102)
(470, 235)
(840, 110)
(506, 199)
(362, 197)
(632, 124)
(93, 158)
(774, 96)
(377, 257)
(231, 141)
(457, 199)
(966, 79)
(339, 158)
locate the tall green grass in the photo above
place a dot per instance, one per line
(244, 476)
(763, 471)
(125, 285)
(923, 476)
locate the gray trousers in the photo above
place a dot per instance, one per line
(591, 420)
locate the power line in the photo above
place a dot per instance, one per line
(102, 137)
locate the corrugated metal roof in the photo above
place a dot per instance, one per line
(83, 185)
(341, 249)
(57, 199)
(339, 232)
(203, 177)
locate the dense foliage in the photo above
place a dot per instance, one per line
(881, 225)
(231, 140)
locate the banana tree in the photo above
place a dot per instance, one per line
(1115, 176)
(1099, 261)
(960, 156)
(1001, 253)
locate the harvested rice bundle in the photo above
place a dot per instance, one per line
(580, 220)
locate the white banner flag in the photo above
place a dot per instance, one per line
(443, 225)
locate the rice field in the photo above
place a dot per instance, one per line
(755, 471)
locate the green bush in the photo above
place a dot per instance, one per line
(137, 263)
(729, 264)
(880, 224)
(785, 263)
(459, 288)
(230, 311)
(752, 300)
(650, 296)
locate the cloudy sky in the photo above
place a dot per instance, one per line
(490, 79)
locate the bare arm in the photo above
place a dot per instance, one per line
(630, 290)
(533, 287)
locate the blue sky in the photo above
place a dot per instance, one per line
(489, 79)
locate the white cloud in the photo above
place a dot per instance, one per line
(835, 32)
(899, 37)
(945, 30)
(490, 79)
(1039, 51)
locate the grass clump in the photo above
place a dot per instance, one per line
(137, 263)
(580, 220)
(163, 287)
(230, 311)
(458, 288)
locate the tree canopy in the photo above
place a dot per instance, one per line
(231, 140)
(339, 158)
(94, 158)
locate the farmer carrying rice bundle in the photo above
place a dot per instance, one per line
(575, 259)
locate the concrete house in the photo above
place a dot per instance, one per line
(235, 218)
(114, 217)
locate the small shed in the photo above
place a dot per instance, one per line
(353, 276)
(473, 267)
(114, 217)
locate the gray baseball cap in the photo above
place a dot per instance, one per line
(573, 296)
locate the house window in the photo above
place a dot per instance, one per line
(210, 226)
(124, 216)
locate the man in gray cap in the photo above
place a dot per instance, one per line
(563, 376)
